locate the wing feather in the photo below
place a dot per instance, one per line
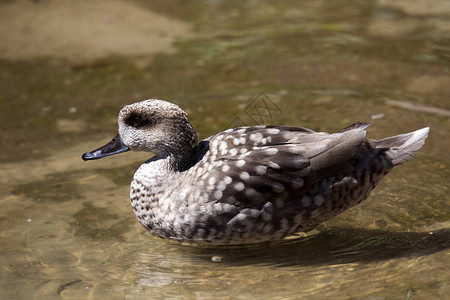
(254, 165)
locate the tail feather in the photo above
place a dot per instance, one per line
(401, 148)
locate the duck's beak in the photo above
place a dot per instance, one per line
(115, 146)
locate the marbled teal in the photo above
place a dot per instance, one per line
(248, 184)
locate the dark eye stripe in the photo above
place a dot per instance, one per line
(137, 120)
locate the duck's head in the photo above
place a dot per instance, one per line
(151, 125)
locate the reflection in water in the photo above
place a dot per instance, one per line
(324, 256)
(67, 228)
(335, 246)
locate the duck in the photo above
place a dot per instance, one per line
(250, 184)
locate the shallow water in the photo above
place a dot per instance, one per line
(67, 227)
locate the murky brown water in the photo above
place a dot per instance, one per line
(67, 230)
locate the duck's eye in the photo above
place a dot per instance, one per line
(137, 121)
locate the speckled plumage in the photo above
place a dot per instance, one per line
(248, 184)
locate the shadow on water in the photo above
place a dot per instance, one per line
(331, 246)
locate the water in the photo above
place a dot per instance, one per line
(67, 227)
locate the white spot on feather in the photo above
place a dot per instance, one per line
(273, 165)
(278, 187)
(261, 170)
(271, 151)
(244, 176)
(306, 201)
(273, 131)
(226, 207)
(256, 137)
(319, 200)
(227, 180)
(218, 194)
(240, 163)
(222, 185)
(223, 146)
(211, 180)
(297, 183)
(239, 186)
(231, 199)
(249, 192)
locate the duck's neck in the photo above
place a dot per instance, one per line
(176, 155)
(179, 162)
(172, 163)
